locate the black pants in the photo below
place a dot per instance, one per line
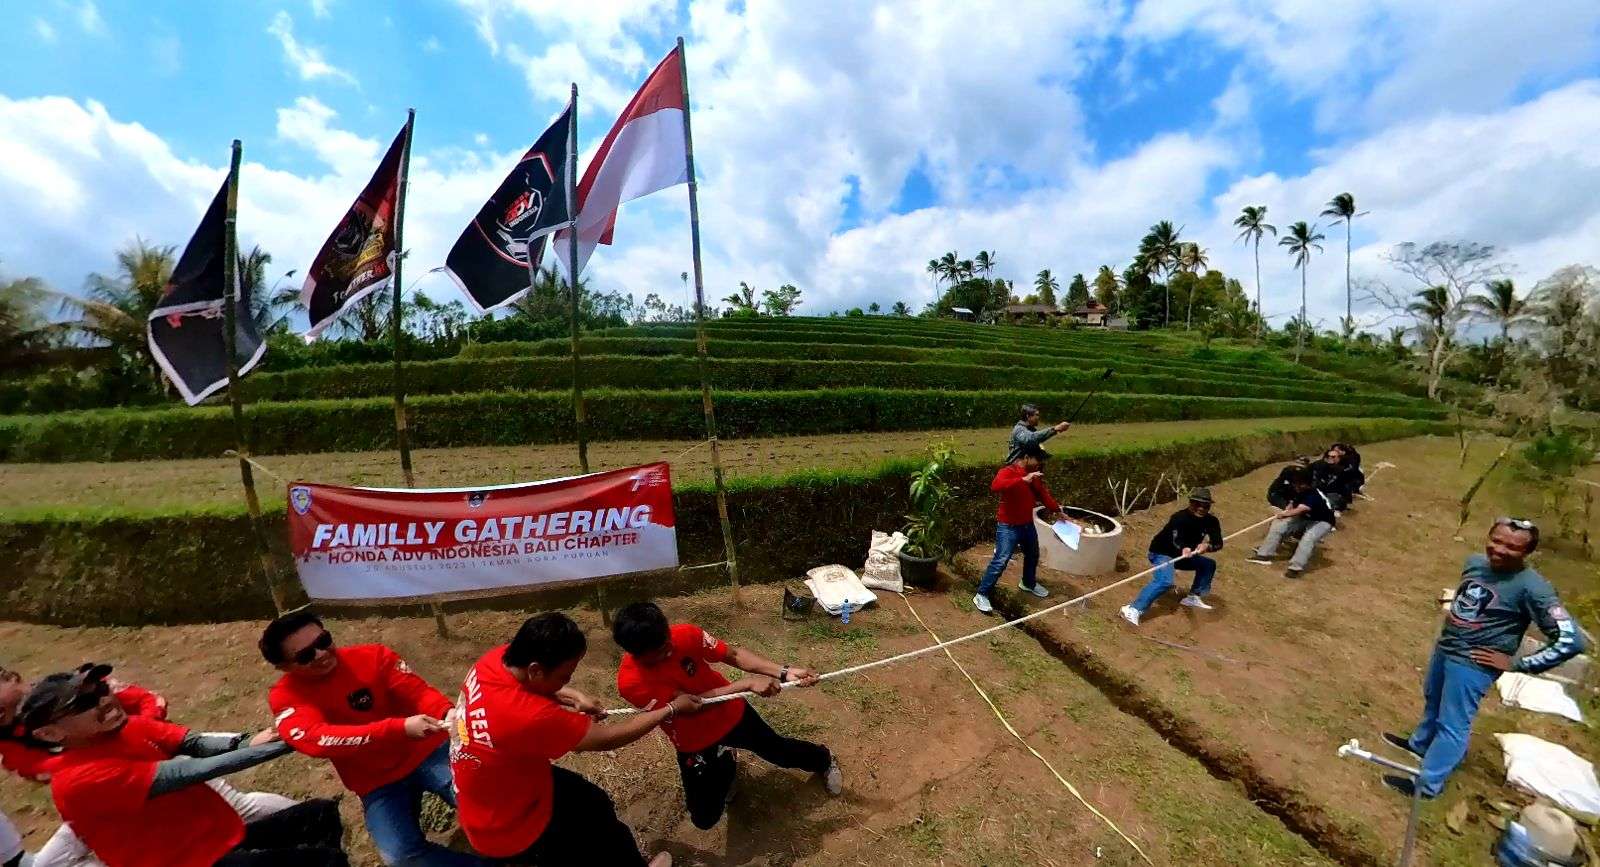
(309, 834)
(583, 829)
(708, 774)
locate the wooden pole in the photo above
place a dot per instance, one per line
(700, 333)
(401, 435)
(230, 303)
(572, 286)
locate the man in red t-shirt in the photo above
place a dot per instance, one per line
(1020, 485)
(119, 782)
(664, 661)
(381, 725)
(31, 761)
(515, 716)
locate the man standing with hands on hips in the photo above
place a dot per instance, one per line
(1499, 596)
(382, 726)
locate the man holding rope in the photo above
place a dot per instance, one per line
(1308, 515)
(664, 661)
(1499, 596)
(515, 716)
(1020, 484)
(1181, 544)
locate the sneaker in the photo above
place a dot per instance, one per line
(662, 860)
(1194, 601)
(833, 780)
(1404, 785)
(1292, 572)
(1037, 589)
(981, 602)
(1400, 742)
(1257, 558)
(1130, 614)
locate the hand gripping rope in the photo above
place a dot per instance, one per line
(857, 669)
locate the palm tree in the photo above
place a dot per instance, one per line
(1502, 307)
(1047, 286)
(1342, 208)
(1300, 240)
(270, 306)
(900, 309)
(1192, 259)
(1159, 250)
(950, 266)
(116, 308)
(1105, 287)
(25, 330)
(937, 270)
(985, 262)
(743, 301)
(966, 269)
(1252, 221)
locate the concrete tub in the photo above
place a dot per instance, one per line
(1096, 555)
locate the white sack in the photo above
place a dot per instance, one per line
(1551, 770)
(835, 586)
(1537, 694)
(882, 571)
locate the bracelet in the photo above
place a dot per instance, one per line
(672, 710)
(783, 674)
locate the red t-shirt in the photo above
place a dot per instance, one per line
(103, 790)
(688, 670)
(36, 764)
(355, 717)
(1017, 496)
(505, 738)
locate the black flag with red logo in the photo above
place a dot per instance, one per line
(358, 258)
(496, 253)
(186, 328)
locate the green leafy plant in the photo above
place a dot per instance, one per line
(928, 525)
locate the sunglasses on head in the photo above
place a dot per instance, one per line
(306, 655)
(1522, 524)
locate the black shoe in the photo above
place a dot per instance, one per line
(1404, 785)
(1400, 742)
(1292, 572)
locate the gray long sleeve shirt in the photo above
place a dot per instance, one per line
(205, 757)
(1493, 609)
(1024, 438)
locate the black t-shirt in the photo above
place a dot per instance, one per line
(1185, 530)
(1321, 509)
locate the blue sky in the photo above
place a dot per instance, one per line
(842, 145)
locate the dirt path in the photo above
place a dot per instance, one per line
(156, 485)
(932, 778)
(1283, 671)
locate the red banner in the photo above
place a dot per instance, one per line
(379, 544)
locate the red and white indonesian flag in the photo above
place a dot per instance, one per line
(394, 544)
(643, 153)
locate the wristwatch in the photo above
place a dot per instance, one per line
(783, 674)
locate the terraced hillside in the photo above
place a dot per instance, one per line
(773, 377)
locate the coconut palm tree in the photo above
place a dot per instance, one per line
(1047, 286)
(900, 309)
(1252, 223)
(1159, 250)
(115, 308)
(1299, 241)
(1501, 306)
(1192, 259)
(25, 329)
(936, 268)
(984, 262)
(950, 266)
(1342, 208)
(966, 269)
(272, 305)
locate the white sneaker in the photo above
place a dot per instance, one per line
(981, 602)
(1194, 601)
(1037, 589)
(833, 780)
(1130, 614)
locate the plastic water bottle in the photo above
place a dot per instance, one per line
(844, 613)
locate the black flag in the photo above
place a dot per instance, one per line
(358, 258)
(496, 253)
(186, 327)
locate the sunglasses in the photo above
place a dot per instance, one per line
(308, 654)
(1522, 524)
(86, 701)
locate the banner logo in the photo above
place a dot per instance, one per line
(300, 499)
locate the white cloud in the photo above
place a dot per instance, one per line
(431, 45)
(307, 61)
(44, 30)
(321, 8)
(88, 15)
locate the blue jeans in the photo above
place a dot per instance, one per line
(1203, 567)
(394, 815)
(1450, 699)
(1007, 539)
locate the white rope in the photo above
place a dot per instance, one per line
(857, 669)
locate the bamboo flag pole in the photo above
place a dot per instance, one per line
(401, 434)
(572, 281)
(230, 324)
(700, 331)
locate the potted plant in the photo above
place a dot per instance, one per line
(928, 525)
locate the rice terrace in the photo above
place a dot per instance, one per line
(342, 524)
